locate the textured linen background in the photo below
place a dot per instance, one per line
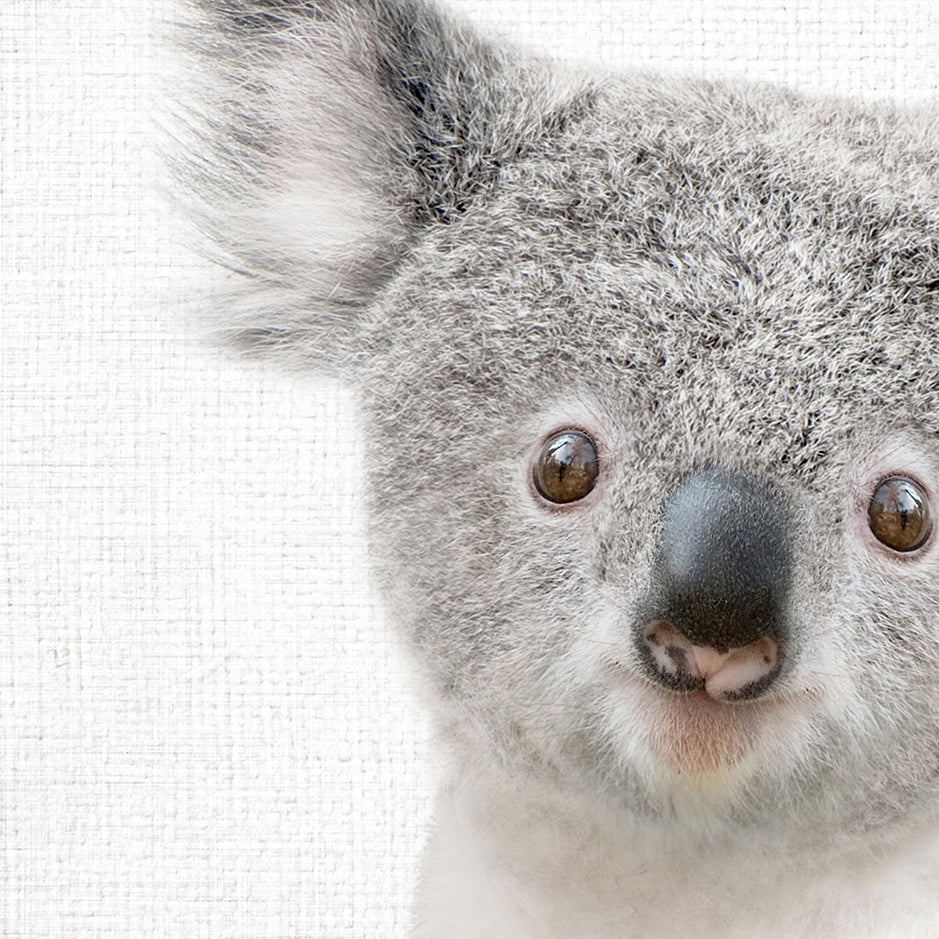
(206, 729)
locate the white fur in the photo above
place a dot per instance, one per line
(524, 865)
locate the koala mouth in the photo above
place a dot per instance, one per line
(707, 710)
(725, 675)
(704, 710)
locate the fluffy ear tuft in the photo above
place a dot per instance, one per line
(321, 139)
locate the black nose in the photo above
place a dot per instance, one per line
(722, 575)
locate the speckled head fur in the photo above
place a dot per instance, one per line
(730, 291)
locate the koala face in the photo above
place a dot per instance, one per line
(732, 349)
(650, 382)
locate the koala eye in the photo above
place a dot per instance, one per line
(898, 514)
(567, 467)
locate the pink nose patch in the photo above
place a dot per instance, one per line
(724, 674)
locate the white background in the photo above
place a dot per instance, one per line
(205, 727)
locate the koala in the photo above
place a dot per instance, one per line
(648, 371)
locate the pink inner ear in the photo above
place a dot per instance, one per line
(323, 184)
(321, 211)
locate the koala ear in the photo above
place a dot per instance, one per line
(325, 136)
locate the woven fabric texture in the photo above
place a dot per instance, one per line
(207, 727)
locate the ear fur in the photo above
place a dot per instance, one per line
(322, 139)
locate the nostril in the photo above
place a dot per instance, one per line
(672, 654)
(729, 674)
(739, 672)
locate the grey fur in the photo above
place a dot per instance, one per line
(699, 275)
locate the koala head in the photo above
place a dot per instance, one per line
(649, 377)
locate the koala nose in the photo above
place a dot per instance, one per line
(716, 613)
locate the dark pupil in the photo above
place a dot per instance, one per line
(898, 514)
(567, 470)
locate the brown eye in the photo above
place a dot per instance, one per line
(899, 514)
(567, 467)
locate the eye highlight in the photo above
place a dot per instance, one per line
(567, 467)
(898, 514)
